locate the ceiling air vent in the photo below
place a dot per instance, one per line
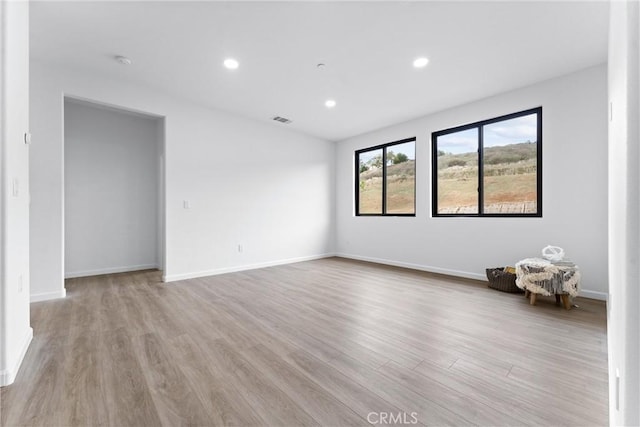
(282, 120)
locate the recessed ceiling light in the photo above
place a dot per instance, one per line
(123, 60)
(231, 63)
(420, 62)
(330, 103)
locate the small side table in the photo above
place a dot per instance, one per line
(537, 276)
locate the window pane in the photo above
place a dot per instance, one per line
(458, 172)
(401, 178)
(370, 182)
(510, 159)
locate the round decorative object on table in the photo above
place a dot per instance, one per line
(553, 253)
(537, 276)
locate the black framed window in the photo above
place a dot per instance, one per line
(386, 179)
(489, 168)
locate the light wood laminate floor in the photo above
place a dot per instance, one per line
(328, 342)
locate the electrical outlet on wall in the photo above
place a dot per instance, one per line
(240, 248)
(20, 283)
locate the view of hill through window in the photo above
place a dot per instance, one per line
(510, 167)
(400, 180)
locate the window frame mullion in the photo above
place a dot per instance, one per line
(480, 170)
(384, 180)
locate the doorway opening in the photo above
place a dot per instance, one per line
(114, 170)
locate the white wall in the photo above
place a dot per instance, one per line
(112, 161)
(574, 190)
(15, 332)
(249, 183)
(624, 215)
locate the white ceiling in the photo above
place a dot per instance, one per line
(476, 49)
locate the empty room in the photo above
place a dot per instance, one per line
(319, 213)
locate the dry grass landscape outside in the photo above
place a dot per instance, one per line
(510, 184)
(400, 189)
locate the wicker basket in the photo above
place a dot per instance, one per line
(502, 281)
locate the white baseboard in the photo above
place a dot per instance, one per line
(8, 376)
(420, 267)
(110, 270)
(586, 293)
(48, 295)
(194, 275)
